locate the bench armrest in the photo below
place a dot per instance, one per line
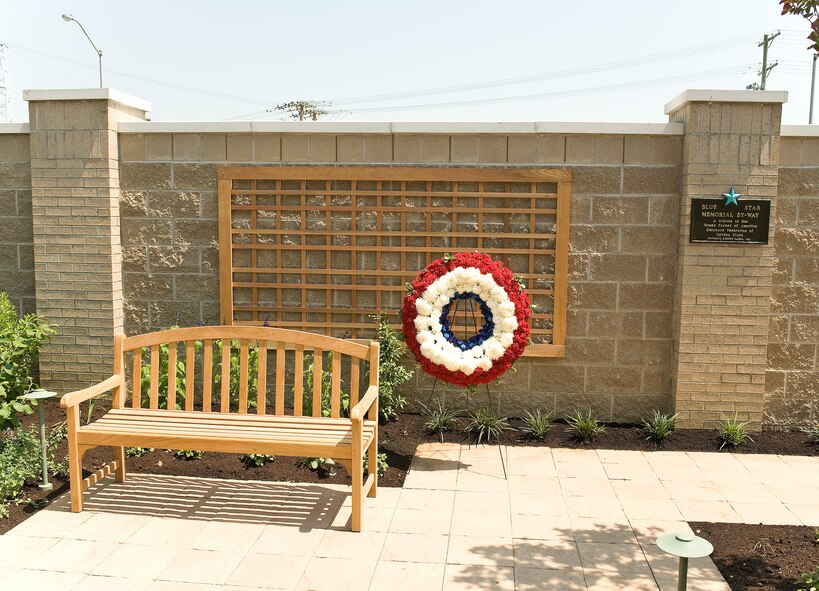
(360, 409)
(75, 398)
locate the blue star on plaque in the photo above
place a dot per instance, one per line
(731, 197)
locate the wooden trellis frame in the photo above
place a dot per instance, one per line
(322, 248)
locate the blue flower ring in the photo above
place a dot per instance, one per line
(483, 333)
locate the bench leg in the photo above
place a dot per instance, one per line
(372, 465)
(357, 474)
(119, 454)
(75, 454)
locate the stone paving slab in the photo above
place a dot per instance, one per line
(562, 519)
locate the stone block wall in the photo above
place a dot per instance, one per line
(624, 215)
(16, 239)
(792, 377)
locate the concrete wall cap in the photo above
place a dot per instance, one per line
(14, 128)
(799, 131)
(87, 94)
(725, 96)
(449, 128)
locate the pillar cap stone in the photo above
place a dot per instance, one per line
(87, 94)
(726, 96)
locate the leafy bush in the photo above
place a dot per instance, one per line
(812, 431)
(659, 426)
(584, 427)
(189, 454)
(20, 340)
(392, 375)
(256, 460)
(733, 432)
(382, 464)
(485, 425)
(808, 581)
(323, 466)
(137, 452)
(537, 425)
(439, 420)
(20, 460)
(326, 392)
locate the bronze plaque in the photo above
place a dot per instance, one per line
(745, 222)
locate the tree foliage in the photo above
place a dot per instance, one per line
(809, 10)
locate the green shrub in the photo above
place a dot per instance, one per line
(485, 425)
(137, 452)
(20, 340)
(659, 425)
(382, 463)
(812, 431)
(326, 392)
(808, 581)
(256, 460)
(733, 432)
(537, 425)
(189, 454)
(20, 460)
(438, 420)
(392, 375)
(584, 427)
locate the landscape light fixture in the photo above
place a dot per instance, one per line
(40, 396)
(68, 18)
(684, 546)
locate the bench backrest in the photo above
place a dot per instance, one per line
(226, 369)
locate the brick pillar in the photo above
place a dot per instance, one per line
(723, 291)
(75, 211)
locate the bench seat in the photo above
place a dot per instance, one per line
(268, 434)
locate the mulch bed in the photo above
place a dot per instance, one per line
(749, 556)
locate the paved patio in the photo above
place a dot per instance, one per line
(564, 519)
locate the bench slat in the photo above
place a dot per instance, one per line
(180, 416)
(136, 379)
(171, 376)
(298, 378)
(190, 373)
(207, 374)
(318, 375)
(261, 380)
(225, 394)
(280, 359)
(153, 400)
(297, 434)
(335, 392)
(243, 371)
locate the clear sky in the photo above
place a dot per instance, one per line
(571, 61)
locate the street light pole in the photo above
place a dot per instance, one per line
(812, 87)
(68, 18)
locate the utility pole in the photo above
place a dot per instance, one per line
(303, 109)
(812, 87)
(766, 43)
(5, 87)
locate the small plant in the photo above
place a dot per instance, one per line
(392, 375)
(325, 467)
(382, 464)
(816, 536)
(808, 581)
(20, 460)
(584, 427)
(812, 431)
(733, 432)
(484, 426)
(189, 454)
(439, 420)
(256, 460)
(20, 340)
(326, 392)
(137, 452)
(659, 426)
(537, 425)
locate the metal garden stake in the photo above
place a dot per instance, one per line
(685, 546)
(40, 395)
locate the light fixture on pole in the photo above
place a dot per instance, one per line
(684, 546)
(40, 395)
(68, 18)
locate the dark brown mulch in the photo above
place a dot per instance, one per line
(787, 549)
(761, 557)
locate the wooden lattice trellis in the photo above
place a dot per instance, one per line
(322, 249)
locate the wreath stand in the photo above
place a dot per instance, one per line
(465, 314)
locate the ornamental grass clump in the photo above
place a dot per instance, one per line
(812, 431)
(584, 427)
(733, 432)
(537, 425)
(659, 426)
(439, 420)
(485, 426)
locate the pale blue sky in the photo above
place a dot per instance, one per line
(264, 53)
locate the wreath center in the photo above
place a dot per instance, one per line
(449, 320)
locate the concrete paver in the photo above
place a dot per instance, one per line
(564, 519)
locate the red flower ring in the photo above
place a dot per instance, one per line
(497, 344)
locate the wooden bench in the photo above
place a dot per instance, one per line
(194, 419)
